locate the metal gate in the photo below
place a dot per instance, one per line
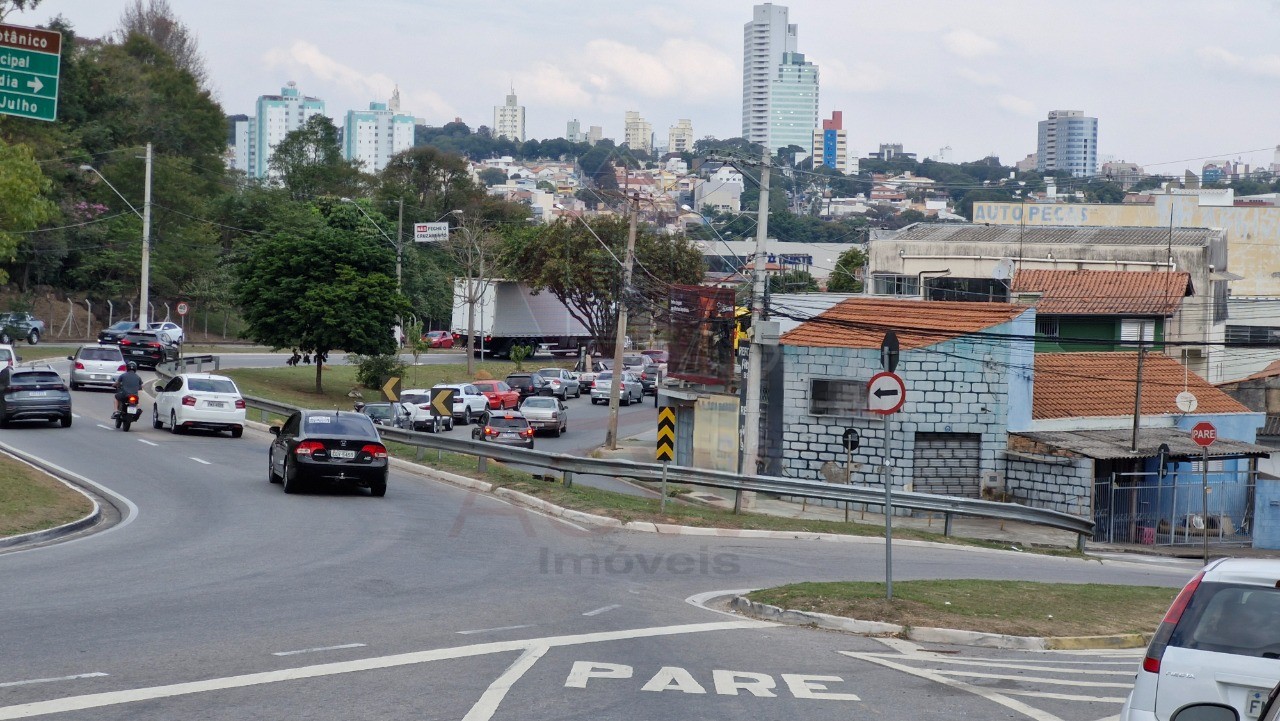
(947, 464)
(1143, 509)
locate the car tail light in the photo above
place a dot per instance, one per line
(122, 368)
(79, 366)
(489, 431)
(306, 448)
(376, 450)
(153, 345)
(527, 433)
(125, 341)
(1151, 664)
(188, 400)
(240, 403)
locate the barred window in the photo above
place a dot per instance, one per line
(1047, 327)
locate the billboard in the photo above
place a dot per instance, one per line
(430, 232)
(701, 331)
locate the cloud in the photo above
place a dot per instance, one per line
(978, 78)
(303, 56)
(619, 69)
(551, 85)
(1264, 65)
(1016, 105)
(861, 77)
(968, 44)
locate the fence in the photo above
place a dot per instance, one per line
(1144, 509)
(82, 319)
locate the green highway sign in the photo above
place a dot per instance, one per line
(30, 59)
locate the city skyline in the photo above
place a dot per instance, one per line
(975, 78)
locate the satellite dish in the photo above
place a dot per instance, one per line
(1003, 269)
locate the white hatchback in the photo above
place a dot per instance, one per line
(1219, 643)
(199, 400)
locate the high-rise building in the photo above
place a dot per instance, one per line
(276, 116)
(1068, 141)
(639, 132)
(508, 120)
(573, 131)
(680, 137)
(779, 88)
(595, 134)
(831, 144)
(372, 136)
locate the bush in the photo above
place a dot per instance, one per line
(374, 370)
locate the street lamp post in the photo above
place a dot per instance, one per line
(145, 280)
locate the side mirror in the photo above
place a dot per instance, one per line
(275, 430)
(71, 357)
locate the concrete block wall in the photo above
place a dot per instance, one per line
(1064, 485)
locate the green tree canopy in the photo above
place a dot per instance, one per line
(310, 164)
(23, 206)
(847, 271)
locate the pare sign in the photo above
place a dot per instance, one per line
(722, 682)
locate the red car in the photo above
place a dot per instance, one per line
(501, 396)
(438, 338)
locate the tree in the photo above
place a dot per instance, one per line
(155, 20)
(1102, 191)
(846, 275)
(581, 267)
(321, 288)
(492, 176)
(309, 162)
(7, 6)
(792, 281)
(23, 206)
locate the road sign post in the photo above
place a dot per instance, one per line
(183, 308)
(666, 448)
(886, 393)
(1204, 434)
(851, 443)
(30, 62)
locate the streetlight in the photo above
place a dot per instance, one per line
(145, 280)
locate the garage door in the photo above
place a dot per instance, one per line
(948, 464)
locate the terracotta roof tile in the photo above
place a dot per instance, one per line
(861, 322)
(1082, 385)
(1272, 370)
(1103, 292)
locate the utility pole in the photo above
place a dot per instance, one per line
(1137, 393)
(143, 312)
(615, 388)
(399, 263)
(755, 359)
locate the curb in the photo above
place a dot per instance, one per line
(924, 634)
(65, 529)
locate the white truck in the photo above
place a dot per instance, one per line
(507, 314)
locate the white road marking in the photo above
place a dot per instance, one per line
(499, 628)
(314, 650)
(75, 415)
(115, 698)
(200, 460)
(95, 674)
(1065, 696)
(105, 427)
(487, 706)
(143, 440)
(599, 611)
(1028, 666)
(1047, 681)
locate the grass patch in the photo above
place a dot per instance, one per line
(1020, 608)
(42, 352)
(32, 501)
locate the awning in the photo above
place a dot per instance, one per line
(1117, 444)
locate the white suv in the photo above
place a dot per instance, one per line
(1219, 643)
(469, 402)
(417, 402)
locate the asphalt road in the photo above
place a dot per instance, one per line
(220, 597)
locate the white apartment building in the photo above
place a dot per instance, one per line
(573, 131)
(779, 88)
(1067, 140)
(372, 136)
(720, 192)
(680, 137)
(639, 132)
(275, 117)
(595, 134)
(508, 120)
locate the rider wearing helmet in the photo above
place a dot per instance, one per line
(129, 383)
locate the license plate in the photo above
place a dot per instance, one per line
(137, 352)
(38, 394)
(216, 404)
(99, 377)
(133, 409)
(510, 435)
(1254, 702)
(342, 454)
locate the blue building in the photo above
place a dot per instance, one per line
(1068, 140)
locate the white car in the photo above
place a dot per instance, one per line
(546, 414)
(469, 402)
(170, 331)
(1218, 643)
(8, 357)
(199, 400)
(417, 403)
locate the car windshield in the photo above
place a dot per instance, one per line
(1231, 618)
(519, 380)
(539, 403)
(381, 411)
(633, 360)
(33, 379)
(142, 337)
(122, 325)
(5, 354)
(549, 372)
(604, 376)
(413, 398)
(100, 354)
(487, 387)
(212, 385)
(326, 425)
(508, 423)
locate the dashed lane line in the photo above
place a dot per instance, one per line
(200, 460)
(150, 443)
(499, 628)
(95, 674)
(1065, 696)
(1029, 679)
(605, 609)
(317, 650)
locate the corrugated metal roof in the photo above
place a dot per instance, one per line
(1116, 444)
(1084, 385)
(1105, 292)
(862, 321)
(1056, 235)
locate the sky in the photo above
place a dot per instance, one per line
(1172, 82)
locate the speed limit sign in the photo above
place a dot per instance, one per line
(182, 308)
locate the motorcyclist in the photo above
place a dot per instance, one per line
(128, 384)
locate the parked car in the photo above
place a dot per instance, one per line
(17, 325)
(438, 338)
(170, 331)
(199, 401)
(563, 383)
(147, 349)
(36, 393)
(529, 384)
(417, 403)
(9, 357)
(501, 396)
(468, 402)
(336, 447)
(547, 414)
(96, 365)
(631, 390)
(587, 376)
(508, 428)
(659, 356)
(395, 415)
(1219, 642)
(114, 332)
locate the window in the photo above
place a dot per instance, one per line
(1133, 330)
(1253, 334)
(837, 397)
(895, 285)
(1047, 327)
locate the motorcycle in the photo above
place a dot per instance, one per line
(129, 414)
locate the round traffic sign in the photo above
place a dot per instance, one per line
(182, 308)
(1204, 434)
(886, 392)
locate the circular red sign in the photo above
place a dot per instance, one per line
(1204, 434)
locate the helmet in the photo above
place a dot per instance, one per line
(132, 366)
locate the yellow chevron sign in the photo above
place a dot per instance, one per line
(666, 435)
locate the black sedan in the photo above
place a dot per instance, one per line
(114, 332)
(147, 349)
(530, 384)
(332, 447)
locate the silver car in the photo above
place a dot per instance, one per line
(564, 383)
(546, 414)
(631, 391)
(96, 365)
